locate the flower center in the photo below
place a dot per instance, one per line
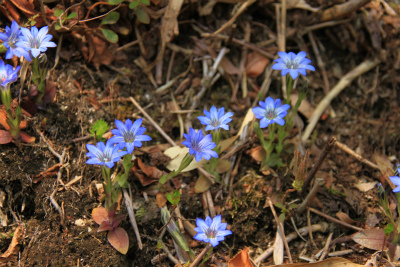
(211, 233)
(270, 114)
(129, 137)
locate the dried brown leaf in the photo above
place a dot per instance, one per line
(344, 217)
(255, 64)
(371, 238)
(12, 248)
(242, 259)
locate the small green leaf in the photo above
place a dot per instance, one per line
(58, 12)
(110, 35)
(110, 18)
(98, 129)
(142, 16)
(133, 4)
(57, 26)
(145, 2)
(115, 2)
(388, 229)
(72, 15)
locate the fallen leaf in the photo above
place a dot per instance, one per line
(302, 4)
(146, 174)
(386, 169)
(371, 238)
(228, 67)
(331, 262)
(119, 239)
(305, 107)
(12, 248)
(255, 64)
(202, 184)
(257, 153)
(364, 187)
(344, 217)
(161, 200)
(26, 6)
(26, 138)
(279, 249)
(49, 172)
(242, 259)
(223, 165)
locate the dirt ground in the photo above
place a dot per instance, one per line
(95, 79)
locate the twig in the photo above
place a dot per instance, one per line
(242, 8)
(342, 10)
(210, 203)
(290, 237)
(125, 46)
(170, 65)
(280, 227)
(129, 207)
(320, 62)
(201, 255)
(326, 248)
(343, 83)
(311, 195)
(327, 148)
(330, 218)
(351, 152)
(309, 226)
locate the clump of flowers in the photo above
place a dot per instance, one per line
(211, 231)
(292, 63)
(270, 112)
(127, 137)
(216, 119)
(199, 146)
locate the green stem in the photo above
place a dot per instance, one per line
(106, 173)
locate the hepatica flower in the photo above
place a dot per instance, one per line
(200, 146)
(216, 119)
(129, 135)
(293, 64)
(10, 38)
(211, 230)
(104, 154)
(35, 41)
(269, 112)
(7, 74)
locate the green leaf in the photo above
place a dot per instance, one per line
(58, 12)
(388, 229)
(72, 15)
(110, 35)
(142, 16)
(145, 2)
(110, 18)
(98, 129)
(57, 26)
(133, 4)
(115, 2)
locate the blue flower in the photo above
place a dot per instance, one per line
(129, 135)
(211, 230)
(293, 64)
(10, 38)
(396, 181)
(200, 146)
(216, 119)
(271, 112)
(104, 154)
(35, 41)
(7, 74)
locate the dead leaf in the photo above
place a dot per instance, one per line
(344, 217)
(255, 64)
(5, 137)
(331, 262)
(223, 166)
(279, 249)
(26, 138)
(371, 238)
(364, 187)
(257, 153)
(169, 26)
(26, 6)
(100, 215)
(12, 248)
(305, 107)
(161, 200)
(242, 259)
(49, 172)
(202, 184)
(146, 174)
(228, 67)
(386, 169)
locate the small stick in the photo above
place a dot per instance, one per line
(335, 220)
(290, 237)
(178, 214)
(320, 62)
(125, 46)
(205, 205)
(342, 84)
(309, 227)
(170, 65)
(340, 253)
(327, 148)
(161, 131)
(280, 227)
(351, 152)
(326, 248)
(210, 203)
(201, 255)
(311, 195)
(129, 207)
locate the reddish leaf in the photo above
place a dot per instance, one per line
(371, 238)
(160, 200)
(117, 219)
(255, 64)
(49, 92)
(5, 137)
(146, 174)
(344, 217)
(241, 259)
(100, 215)
(104, 226)
(119, 239)
(26, 138)
(26, 6)
(3, 118)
